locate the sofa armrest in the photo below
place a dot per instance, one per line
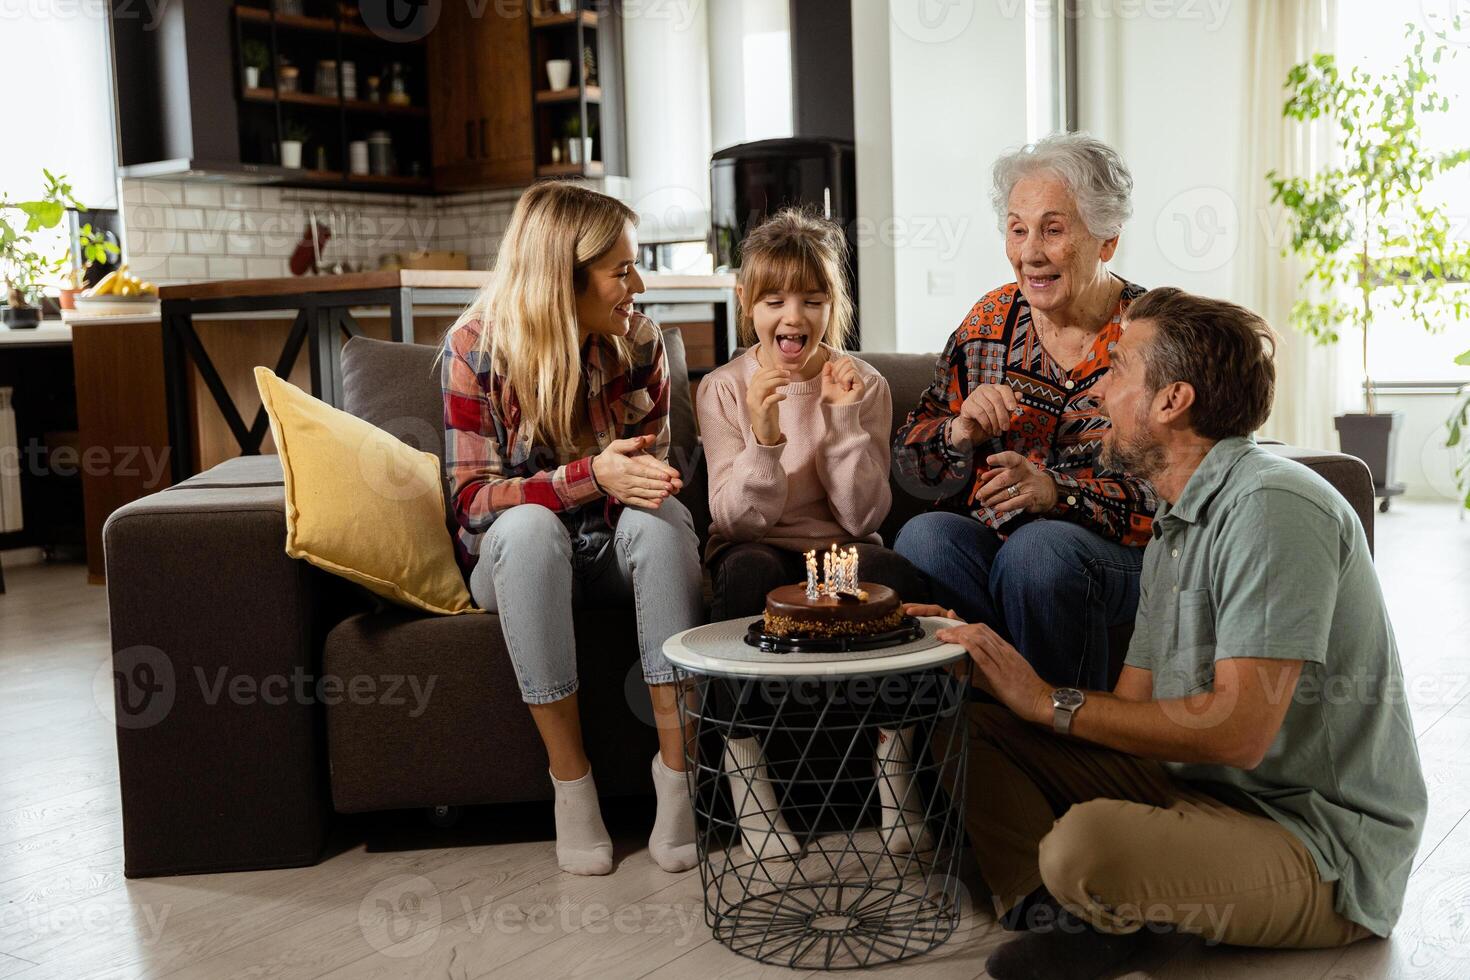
(1348, 475)
(216, 641)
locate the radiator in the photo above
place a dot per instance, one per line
(9, 466)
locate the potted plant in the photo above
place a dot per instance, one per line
(293, 138)
(578, 147)
(23, 268)
(257, 58)
(1360, 226)
(95, 248)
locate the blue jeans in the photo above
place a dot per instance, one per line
(526, 573)
(1050, 587)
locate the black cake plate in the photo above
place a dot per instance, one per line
(907, 631)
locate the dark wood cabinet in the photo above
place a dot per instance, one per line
(479, 91)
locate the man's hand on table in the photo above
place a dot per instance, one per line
(1000, 670)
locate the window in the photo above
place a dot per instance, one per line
(1371, 35)
(56, 100)
(56, 103)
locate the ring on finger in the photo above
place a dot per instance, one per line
(1012, 490)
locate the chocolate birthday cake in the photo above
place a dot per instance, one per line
(792, 612)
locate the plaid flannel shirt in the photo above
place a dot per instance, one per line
(1060, 430)
(492, 460)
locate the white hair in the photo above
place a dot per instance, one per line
(1092, 171)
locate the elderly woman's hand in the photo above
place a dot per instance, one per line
(985, 414)
(1013, 482)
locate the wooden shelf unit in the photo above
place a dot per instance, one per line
(354, 118)
(594, 110)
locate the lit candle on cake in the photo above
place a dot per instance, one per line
(852, 569)
(811, 574)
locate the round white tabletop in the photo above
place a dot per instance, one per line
(720, 649)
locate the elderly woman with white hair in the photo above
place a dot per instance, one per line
(1032, 535)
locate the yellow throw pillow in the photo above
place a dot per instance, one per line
(362, 504)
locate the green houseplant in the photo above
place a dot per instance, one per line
(256, 56)
(23, 268)
(94, 248)
(1360, 226)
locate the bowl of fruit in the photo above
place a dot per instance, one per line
(118, 293)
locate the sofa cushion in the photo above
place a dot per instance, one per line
(455, 730)
(344, 477)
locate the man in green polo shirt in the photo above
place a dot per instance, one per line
(1253, 777)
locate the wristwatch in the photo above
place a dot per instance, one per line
(1064, 702)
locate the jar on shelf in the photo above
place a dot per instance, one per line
(288, 79)
(326, 78)
(380, 153)
(397, 85)
(349, 81)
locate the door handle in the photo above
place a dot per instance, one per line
(484, 153)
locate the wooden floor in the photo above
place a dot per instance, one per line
(493, 901)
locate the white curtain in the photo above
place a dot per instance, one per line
(1284, 33)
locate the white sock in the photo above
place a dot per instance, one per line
(583, 846)
(764, 829)
(672, 840)
(903, 817)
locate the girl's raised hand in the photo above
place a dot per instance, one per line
(627, 474)
(762, 396)
(841, 383)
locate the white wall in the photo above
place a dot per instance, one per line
(666, 59)
(956, 99)
(1164, 83)
(750, 70)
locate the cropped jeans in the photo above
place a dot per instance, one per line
(527, 573)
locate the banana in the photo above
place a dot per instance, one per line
(107, 284)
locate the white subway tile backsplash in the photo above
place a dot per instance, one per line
(203, 195)
(202, 231)
(186, 219)
(267, 268)
(187, 267)
(206, 242)
(240, 198)
(237, 243)
(226, 268)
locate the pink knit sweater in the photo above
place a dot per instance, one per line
(826, 483)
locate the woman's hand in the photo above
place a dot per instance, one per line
(762, 396)
(986, 413)
(1013, 482)
(629, 475)
(929, 609)
(841, 383)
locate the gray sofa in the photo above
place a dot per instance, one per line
(243, 733)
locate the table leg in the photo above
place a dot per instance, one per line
(176, 394)
(400, 316)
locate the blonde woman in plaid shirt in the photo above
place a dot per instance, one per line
(556, 403)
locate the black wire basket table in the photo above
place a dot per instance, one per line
(825, 838)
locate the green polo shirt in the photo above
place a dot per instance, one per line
(1261, 557)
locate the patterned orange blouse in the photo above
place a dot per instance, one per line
(1060, 429)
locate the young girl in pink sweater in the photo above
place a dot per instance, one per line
(796, 439)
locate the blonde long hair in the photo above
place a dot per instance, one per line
(528, 311)
(800, 251)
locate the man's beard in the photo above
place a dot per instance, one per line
(1137, 455)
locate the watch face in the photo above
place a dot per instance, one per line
(1067, 697)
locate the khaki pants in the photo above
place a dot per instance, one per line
(1133, 846)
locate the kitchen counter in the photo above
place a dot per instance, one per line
(397, 279)
(51, 333)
